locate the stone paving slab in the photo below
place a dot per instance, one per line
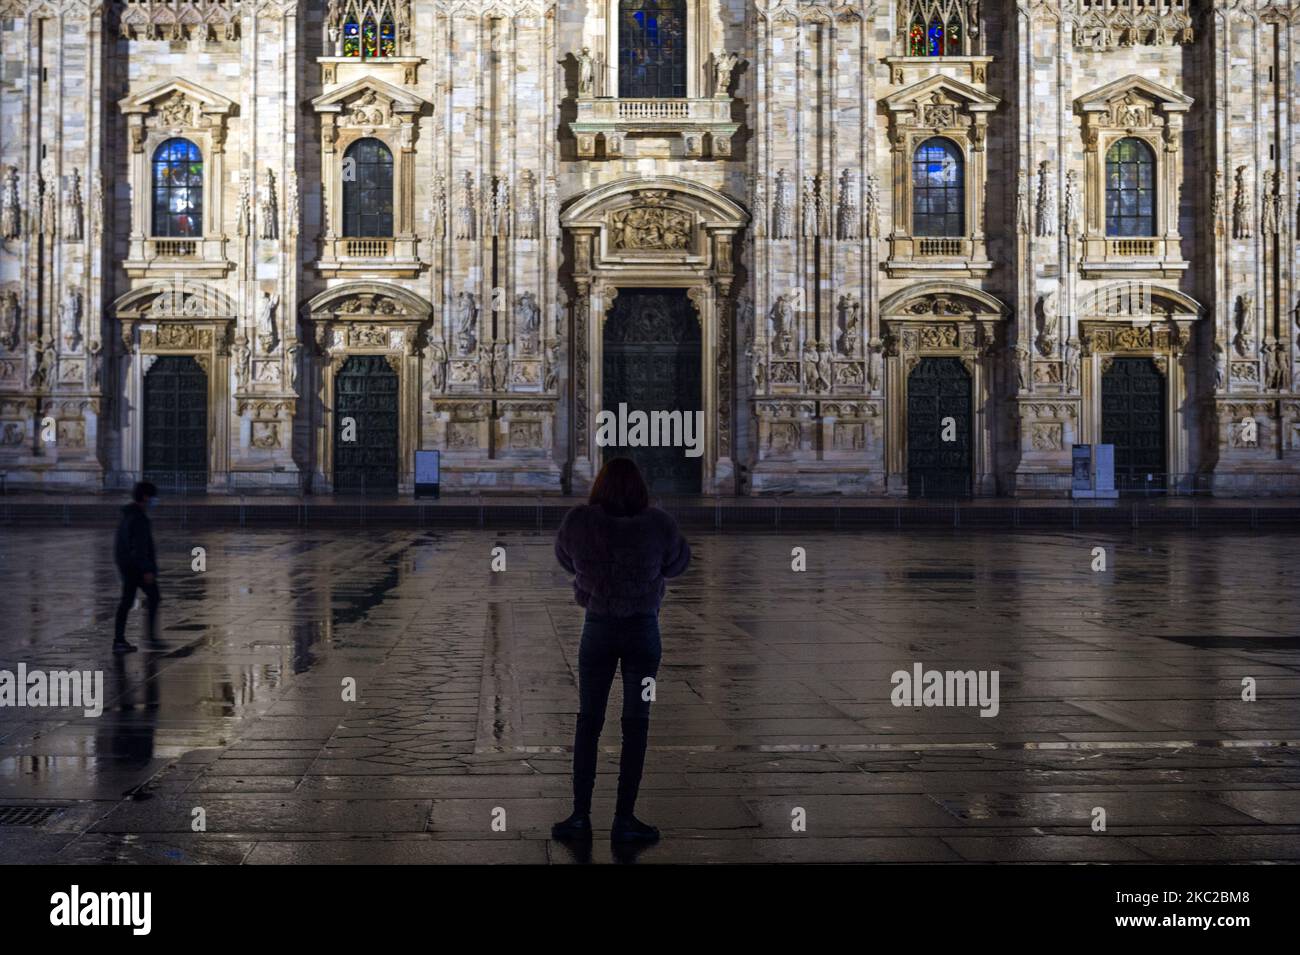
(1119, 690)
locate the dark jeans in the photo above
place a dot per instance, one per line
(131, 582)
(606, 643)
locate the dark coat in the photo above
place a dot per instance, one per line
(620, 563)
(133, 545)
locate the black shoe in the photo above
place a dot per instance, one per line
(124, 647)
(577, 826)
(632, 829)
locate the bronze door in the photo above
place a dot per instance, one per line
(365, 457)
(176, 423)
(653, 363)
(938, 388)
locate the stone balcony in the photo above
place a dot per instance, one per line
(705, 126)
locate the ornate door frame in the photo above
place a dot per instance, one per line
(1137, 320)
(365, 318)
(937, 320)
(655, 232)
(176, 318)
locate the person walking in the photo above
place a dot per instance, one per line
(136, 562)
(620, 551)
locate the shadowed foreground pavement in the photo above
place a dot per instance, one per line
(1119, 690)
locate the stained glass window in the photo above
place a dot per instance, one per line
(954, 36)
(916, 38)
(368, 195)
(177, 189)
(936, 27)
(387, 37)
(652, 49)
(1130, 189)
(938, 189)
(936, 36)
(351, 37)
(369, 38)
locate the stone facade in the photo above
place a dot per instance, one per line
(779, 191)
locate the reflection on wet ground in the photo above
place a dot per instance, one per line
(1119, 690)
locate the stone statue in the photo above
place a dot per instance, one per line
(243, 224)
(527, 205)
(874, 358)
(1275, 367)
(465, 214)
(553, 360)
(586, 73)
(241, 353)
(1073, 362)
(1022, 367)
(850, 310)
(819, 369)
(724, 64)
(1242, 228)
(294, 370)
(467, 323)
(529, 317)
(435, 355)
(1022, 202)
(1047, 324)
(1046, 200)
(74, 210)
(95, 349)
(70, 319)
(9, 309)
(783, 207)
(332, 21)
(10, 211)
(1220, 366)
(1071, 203)
(270, 209)
(781, 319)
(43, 363)
(1244, 339)
(266, 320)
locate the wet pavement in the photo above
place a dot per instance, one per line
(1119, 690)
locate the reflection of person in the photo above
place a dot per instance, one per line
(620, 551)
(134, 555)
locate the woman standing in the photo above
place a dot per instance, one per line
(620, 551)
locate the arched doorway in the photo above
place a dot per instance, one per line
(652, 362)
(1133, 420)
(654, 234)
(366, 424)
(176, 423)
(939, 429)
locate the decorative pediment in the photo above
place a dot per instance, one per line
(938, 98)
(174, 301)
(1132, 102)
(601, 207)
(1138, 300)
(370, 103)
(179, 103)
(929, 300)
(368, 302)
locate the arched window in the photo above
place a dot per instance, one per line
(351, 36)
(652, 49)
(369, 29)
(1130, 189)
(177, 190)
(938, 189)
(368, 190)
(936, 27)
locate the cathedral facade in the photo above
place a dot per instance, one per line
(878, 248)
